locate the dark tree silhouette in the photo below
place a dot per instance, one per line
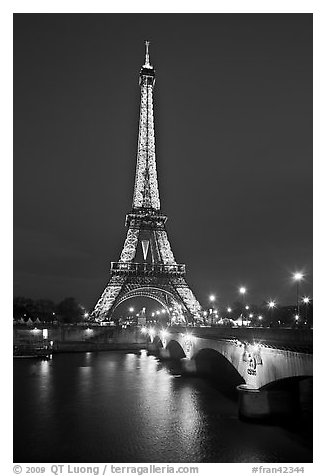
(69, 311)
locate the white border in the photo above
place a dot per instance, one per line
(96, 6)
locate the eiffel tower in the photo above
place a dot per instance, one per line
(147, 266)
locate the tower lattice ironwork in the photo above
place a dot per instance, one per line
(147, 266)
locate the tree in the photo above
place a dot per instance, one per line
(69, 311)
(45, 310)
(23, 308)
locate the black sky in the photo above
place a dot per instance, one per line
(233, 117)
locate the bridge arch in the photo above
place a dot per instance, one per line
(213, 363)
(287, 383)
(175, 350)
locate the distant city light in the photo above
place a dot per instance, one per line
(242, 290)
(229, 309)
(158, 313)
(163, 311)
(297, 276)
(251, 316)
(212, 298)
(271, 304)
(296, 317)
(131, 309)
(260, 317)
(306, 300)
(247, 307)
(85, 315)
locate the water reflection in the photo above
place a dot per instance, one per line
(130, 407)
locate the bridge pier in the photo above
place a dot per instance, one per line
(188, 365)
(255, 404)
(152, 348)
(164, 353)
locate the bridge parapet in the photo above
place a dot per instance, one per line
(299, 340)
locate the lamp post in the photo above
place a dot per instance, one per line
(298, 277)
(306, 301)
(242, 291)
(271, 304)
(212, 300)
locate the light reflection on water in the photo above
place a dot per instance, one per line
(128, 407)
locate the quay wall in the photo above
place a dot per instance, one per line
(80, 338)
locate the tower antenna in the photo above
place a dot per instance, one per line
(147, 63)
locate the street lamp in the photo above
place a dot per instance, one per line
(306, 301)
(242, 291)
(131, 309)
(298, 277)
(271, 304)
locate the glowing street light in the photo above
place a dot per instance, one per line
(143, 330)
(151, 333)
(229, 310)
(131, 309)
(298, 277)
(306, 301)
(271, 304)
(242, 290)
(212, 298)
(164, 334)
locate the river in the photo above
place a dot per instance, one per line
(132, 408)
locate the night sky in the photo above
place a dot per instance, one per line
(233, 119)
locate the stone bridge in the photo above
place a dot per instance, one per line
(261, 362)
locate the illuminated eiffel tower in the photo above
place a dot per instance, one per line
(147, 266)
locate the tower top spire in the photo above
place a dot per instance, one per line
(147, 61)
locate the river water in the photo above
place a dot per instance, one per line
(132, 408)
